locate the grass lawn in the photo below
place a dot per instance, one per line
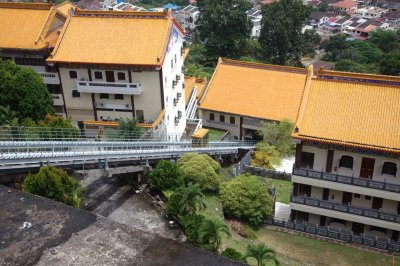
(215, 135)
(283, 188)
(296, 250)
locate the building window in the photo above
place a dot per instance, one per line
(121, 76)
(357, 195)
(389, 168)
(98, 75)
(232, 120)
(104, 96)
(172, 63)
(175, 59)
(75, 94)
(119, 96)
(307, 160)
(346, 162)
(222, 118)
(29, 61)
(73, 74)
(212, 117)
(368, 197)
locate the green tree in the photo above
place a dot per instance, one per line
(53, 128)
(348, 65)
(390, 63)
(334, 46)
(265, 156)
(8, 117)
(311, 40)
(23, 90)
(200, 169)
(245, 197)
(191, 225)
(278, 135)
(385, 40)
(281, 36)
(128, 129)
(186, 200)
(211, 231)
(223, 26)
(166, 176)
(261, 253)
(55, 184)
(323, 7)
(233, 254)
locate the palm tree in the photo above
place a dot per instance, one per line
(261, 253)
(210, 231)
(191, 198)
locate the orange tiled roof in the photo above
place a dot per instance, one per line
(114, 37)
(256, 90)
(65, 7)
(345, 4)
(351, 109)
(190, 83)
(26, 25)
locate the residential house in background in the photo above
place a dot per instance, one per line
(344, 7)
(255, 16)
(318, 18)
(241, 95)
(370, 12)
(104, 79)
(347, 169)
(29, 32)
(188, 17)
(123, 6)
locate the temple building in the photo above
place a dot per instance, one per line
(102, 66)
(346, 175)
(241, 95)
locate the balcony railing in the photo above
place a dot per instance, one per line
(109, 87)
(58, 99)
(350, 180)
(50, 78)
(336, 206)
(113, 106)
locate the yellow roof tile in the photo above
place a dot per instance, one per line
(255, 90)
(25, 25)
(352, 110)
(114, 37)
(190, 83)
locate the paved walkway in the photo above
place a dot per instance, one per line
(282, 211)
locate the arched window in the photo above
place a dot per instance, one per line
(346, 161)
(389, 168)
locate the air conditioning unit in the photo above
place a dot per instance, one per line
(176, 120)
(176, 101)
(127, 106)
(179, 114)
(178, 77)
(179, 94)
(175, 82)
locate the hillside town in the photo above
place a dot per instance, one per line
(200, 132)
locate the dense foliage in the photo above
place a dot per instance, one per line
(186, 200)
(22, 91)
(246, 198)
(233, 254)
(54, 184)
(128, 129)
(379, 54)
(200, 169)
(211, 231)
(261, 253)
(223, 26)
(265, 156)
(281, 35)
(191, 226)
(166, 176)
(278, 135)
(55, 127)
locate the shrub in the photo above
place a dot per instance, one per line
(247, 198)
(233, 254)
(265, 156)
(55, 184)
(191, 226)
(166, 176)
(200, 169)
(185, 200)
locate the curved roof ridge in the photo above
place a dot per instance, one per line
(366, 76)
(18, 5)
(128, 14)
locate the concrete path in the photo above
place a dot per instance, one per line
(282, 211)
